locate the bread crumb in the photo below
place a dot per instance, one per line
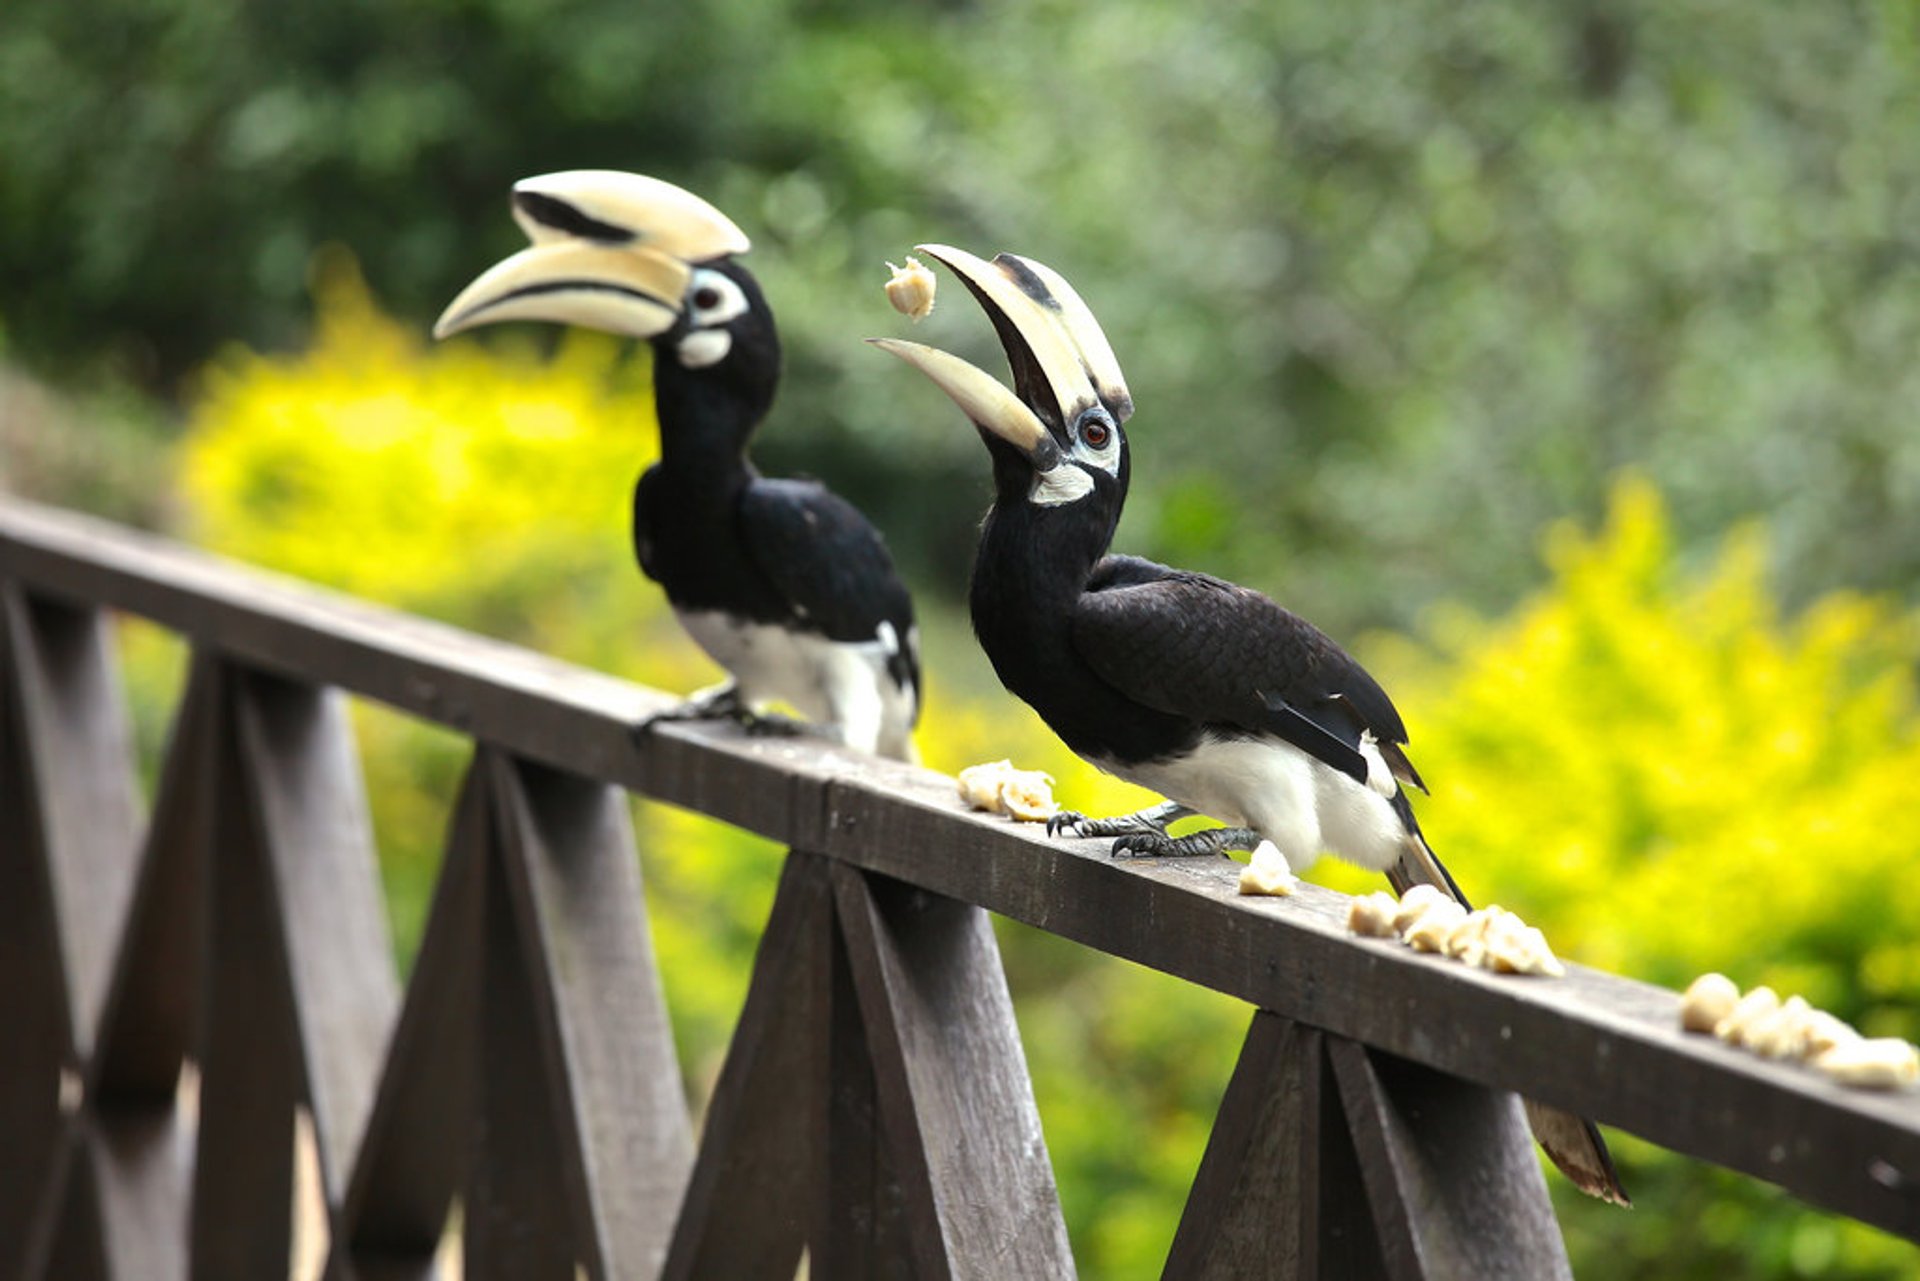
(1708, 999)
(1267, 873)
(910, 289)
(999, 788)
(1371, 915)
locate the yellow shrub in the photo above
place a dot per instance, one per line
(1673, 777)
(487, 485)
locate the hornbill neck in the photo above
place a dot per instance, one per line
(708, 416)
(1032, 566)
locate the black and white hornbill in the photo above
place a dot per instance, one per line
(782, 582)
(1203, 691)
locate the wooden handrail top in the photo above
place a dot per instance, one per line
(1602, 1045)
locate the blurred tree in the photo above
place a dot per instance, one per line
(1396, 283)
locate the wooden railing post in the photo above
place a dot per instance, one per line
(877, 1068)
(952, 1084)
(873, 1109)
(300, 986)
(69, 832)
(533, 1063)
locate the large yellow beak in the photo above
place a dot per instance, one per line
(1062, 363)
(623, 291)
(981, 397)
(610, 250)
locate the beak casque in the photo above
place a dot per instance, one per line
(1062, 363)
(610, 250)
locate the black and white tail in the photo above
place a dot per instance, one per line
(1572, 1142)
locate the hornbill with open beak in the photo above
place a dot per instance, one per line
(782, 582)
(1203, 691)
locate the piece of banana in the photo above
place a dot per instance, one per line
(1708, 999)
(999, 788)
(910, 289)
(1267, 873)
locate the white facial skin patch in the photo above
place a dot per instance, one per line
(1062, 484)
(704, 347)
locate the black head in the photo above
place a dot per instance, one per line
(633, 255)
(723, 345)
(1056, 439)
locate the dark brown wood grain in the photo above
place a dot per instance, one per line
(761, 1146)
(951, 1082)
(1450, 1171)
(519, 1220)
(121, 1210)
(414, 1154)
(77, 751)
(1592, 1043)
(317, 837)
(241, 1224)
(132, 1160)
(153, 1002)
(33, 997)
(1278, 1193)
(574, 879)
(865, 1222)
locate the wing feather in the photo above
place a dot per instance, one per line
(831, 565)
(1199, 646)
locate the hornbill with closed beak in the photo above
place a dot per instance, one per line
(785, 584)
(1203, 691)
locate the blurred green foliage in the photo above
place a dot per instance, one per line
(1379, 271)
(1654, 761)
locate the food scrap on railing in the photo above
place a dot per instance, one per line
(1267, 873)
(998, 788)
(1762, 1023)
(1428, 920)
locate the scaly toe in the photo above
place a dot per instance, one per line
(1067, 823)
(1141, 845)
(757, 726)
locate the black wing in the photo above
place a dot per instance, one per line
(831, 565)
(1201, 647)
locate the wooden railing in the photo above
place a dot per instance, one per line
(176, 991)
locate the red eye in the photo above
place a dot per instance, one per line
(706, 298)
(1096, 434)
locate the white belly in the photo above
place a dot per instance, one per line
(843, 687)
(1299, 803)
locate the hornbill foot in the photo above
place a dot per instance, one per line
(1212, 840)
(723, 702)
(1151, 821)
(766, 725)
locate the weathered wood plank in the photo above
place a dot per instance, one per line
(414, 1153)
(77, 752)
(741, 1217)
(519, 1224)
(1596, 1044)
(131, 1160)
(952, 1082)
(121, 1208)
(153, 1003)
(33, 999)
(316, 833)
(1278, 1193)
(575, 882)
(250, 1070)
(1451, 1175)
(864, 1225)
(1602, 1046)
